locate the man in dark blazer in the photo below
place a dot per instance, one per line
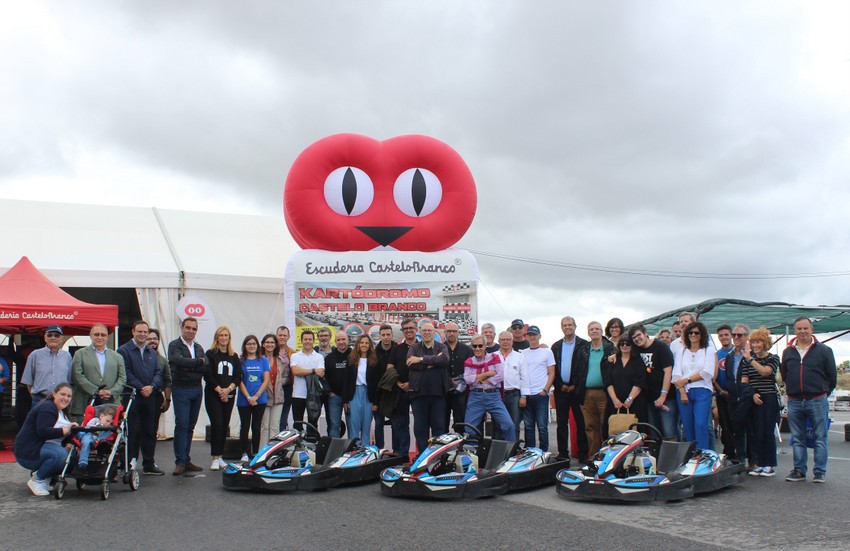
(97, 370)
(144, 373)
(187, 362)
(571, 355)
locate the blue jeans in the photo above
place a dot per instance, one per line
(480, 403)
(361, 416)
(512, 405)
(400, 422)
(695, 416)
(536, 413)
(287, 405)
(665, 421)
(86, 440)
(817, 412)
(50, 462)
(187, 403)
(334, 415)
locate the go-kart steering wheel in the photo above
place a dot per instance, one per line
(304, 426)
(473, 427)
(656, 436)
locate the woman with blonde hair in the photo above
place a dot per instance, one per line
(222, 377)
(758, 369)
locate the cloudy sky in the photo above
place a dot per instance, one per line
(680, 137)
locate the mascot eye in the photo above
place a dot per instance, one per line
(349, 191)
(417, 192)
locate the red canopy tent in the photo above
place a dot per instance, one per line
(29, 302)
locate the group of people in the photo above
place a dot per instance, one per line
(678, 380)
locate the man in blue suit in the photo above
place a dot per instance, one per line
(145, 375)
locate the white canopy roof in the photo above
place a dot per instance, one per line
(108, 246)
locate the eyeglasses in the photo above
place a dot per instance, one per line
(451, 330)
(515, 327)
(739, 335)
(54, 335)
(622, 344)
(99, 335)
(408, 329)
(477, 346)
(693, 332)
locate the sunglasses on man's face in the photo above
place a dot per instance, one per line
(477, 346)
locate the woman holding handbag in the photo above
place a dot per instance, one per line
(693, 371)
(623, 379)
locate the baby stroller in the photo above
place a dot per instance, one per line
(108, 457)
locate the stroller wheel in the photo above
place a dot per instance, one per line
(104, 490)
(59, 489)
(81, 485)
(135, 479)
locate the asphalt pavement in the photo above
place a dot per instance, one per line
(195, 512)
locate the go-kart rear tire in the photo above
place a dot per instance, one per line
(59, 489)
(104, 490)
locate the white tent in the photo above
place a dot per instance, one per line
(234, 263)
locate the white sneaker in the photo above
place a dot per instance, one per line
(222, 463)
(756, 471)
(245, 458)
(767, 471)
(38, 487)
(215, 465)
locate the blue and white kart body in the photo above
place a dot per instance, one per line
(452, 467)
(632, 467)
(289, 463)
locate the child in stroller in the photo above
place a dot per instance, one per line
(104, 419)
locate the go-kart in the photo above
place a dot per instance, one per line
(451, 468)
(290, 462)
(635, 466)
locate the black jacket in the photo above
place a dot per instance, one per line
(814, 376)
(374, 373)
(578, 373)
(185, 370)
(338, 374)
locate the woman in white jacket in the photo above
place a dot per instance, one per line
(693, 370)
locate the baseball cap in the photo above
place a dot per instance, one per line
(54, 328)
(533, 330)
(517, 322)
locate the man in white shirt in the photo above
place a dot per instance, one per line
(515, 377)
(539, 364)
(304, 362)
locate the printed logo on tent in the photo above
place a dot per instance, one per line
(195, 310)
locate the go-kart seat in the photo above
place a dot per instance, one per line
(328, 449)
(673, 455)
(498, 451)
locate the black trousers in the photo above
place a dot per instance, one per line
(219, 413)
(456, 408)
(299, 406)
(564, 403)
(142, 424)
(250, 417)
(429, 413)
(727, 437)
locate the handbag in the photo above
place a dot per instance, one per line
(620, 422)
